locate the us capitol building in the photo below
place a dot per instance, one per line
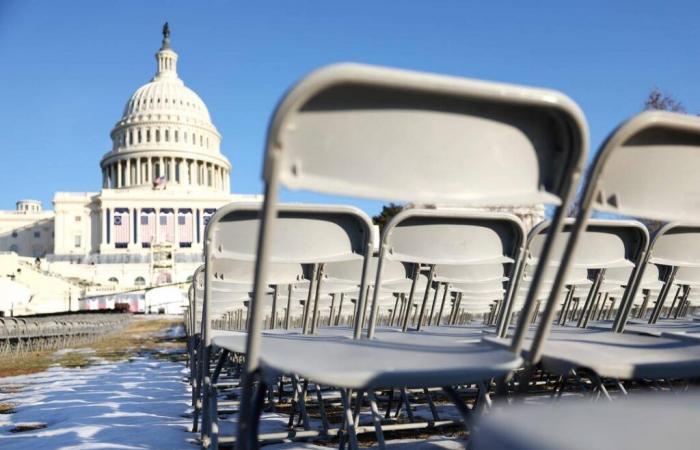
(162, 180)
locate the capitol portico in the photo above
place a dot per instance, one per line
(162, 179)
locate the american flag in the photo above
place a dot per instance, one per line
(184, 223)
(148, 226)
(121, 226)
(166, 224)
(159, 182)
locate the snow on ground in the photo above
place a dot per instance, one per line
(136, 404)
(431, 443)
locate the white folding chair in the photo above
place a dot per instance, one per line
(644, 169)
(362, 131)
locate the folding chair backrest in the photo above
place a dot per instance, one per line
(364, 131)
(689, 276)
(451, 273)
(647, 168)
(228, 270)
(606, 244)
(676, 244)
(350, 271)
(306, 234)
(453, 237)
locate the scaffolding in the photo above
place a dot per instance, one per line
(162, 263)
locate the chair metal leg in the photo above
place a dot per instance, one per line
(462, 407)
(376, 418)
(349, 422)
(322, 409)
(431, 404)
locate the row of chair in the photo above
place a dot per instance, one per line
(447, 304)
(22, 334)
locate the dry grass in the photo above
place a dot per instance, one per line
(143, 336)
(7, 407)
(31, 426)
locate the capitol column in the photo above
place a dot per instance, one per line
(119, 174)
(127, 173)
(137, 222)
(104, 226)
(171, 163)
(139, 181)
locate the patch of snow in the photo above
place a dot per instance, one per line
(138, 404)
(431, 443)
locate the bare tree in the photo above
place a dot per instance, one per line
(658, 100)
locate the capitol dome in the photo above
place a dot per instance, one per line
(165, 137)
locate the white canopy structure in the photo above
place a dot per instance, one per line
(166, 299)
(12, 295)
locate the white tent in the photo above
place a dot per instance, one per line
(167, 299)
(13, 295)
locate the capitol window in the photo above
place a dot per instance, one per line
(148, 135)
(78, 240)
(157, 135)
(14, 234)
(139, 135)
(167, 135)
(176, 136)
(78, 218)
(37, 234)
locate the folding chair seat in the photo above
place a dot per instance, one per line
(358, 131)
(641, 422)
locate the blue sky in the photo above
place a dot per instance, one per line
(68, 67)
